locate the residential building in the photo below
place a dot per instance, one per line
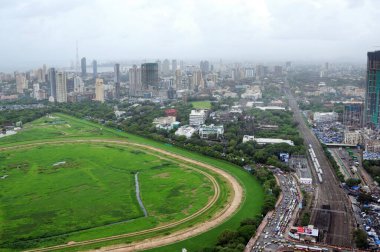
(353, 137)
(52, 84)
(134, 81)
(197, 117)
(94, 69)
(117, 81)
(174, 65)
(99, 90)
(83, 66)
(61, 86)
(205, 131)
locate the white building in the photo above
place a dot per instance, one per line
(164, 120)
(205, 131)
(271, 108)
(252, 93)
(353, 137)
(186, 131)
(99, 90)
(263, 141)
(321, 117)
(78, 84)
(197, 117)
(61, 87)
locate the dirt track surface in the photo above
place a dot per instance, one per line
(176, 236)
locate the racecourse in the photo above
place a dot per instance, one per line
(180, 233)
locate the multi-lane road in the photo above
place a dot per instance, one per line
(331, 213)
(273, 235)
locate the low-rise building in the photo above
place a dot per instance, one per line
(197, 117)
(322, 117)
(247, 138)
(164, 120)
(186, 131)
(353, 137)
(212, 130)
(299, 164)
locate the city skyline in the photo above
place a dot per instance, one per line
(232, 30)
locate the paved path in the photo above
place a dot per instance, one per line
(138, 195)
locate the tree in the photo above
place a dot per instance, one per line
(353, 182)
(226, 236)
(361, 239)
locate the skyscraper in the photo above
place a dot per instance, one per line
(149, 75)
(174, 65)
(134, 80)
(166, 66)
(61, 86)
(372, 99)
(52, 84)
(116, 69)
(99, 90)
(94, 69)
(83, 66)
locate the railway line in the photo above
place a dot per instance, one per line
(331, 213)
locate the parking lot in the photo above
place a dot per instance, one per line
(331, 132)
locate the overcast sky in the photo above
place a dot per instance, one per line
(44, 31)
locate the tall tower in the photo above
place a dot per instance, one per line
(52, 84)
(117, 80)
(94, 69)
(77, 59)
(372, 98)
(174, 65)
(134, 81)
(61, 87)
(149, 75)
(83, 66)
(99, 90)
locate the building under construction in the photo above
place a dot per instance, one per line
(353, 115)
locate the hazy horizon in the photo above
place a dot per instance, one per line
(42, 31)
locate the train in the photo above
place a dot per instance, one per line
(320, 178)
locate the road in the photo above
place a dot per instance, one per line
(272, 236)
(336, 223)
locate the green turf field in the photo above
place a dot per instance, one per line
(64, 127)
(201, 104)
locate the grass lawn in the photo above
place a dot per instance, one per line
(81, 129)
(42, 197)
(201, 104)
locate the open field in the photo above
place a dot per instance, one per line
(93, 188)
(201, 104)
(250, 206)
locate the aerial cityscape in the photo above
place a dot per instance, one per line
(212, 126)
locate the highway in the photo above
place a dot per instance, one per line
(332, 212)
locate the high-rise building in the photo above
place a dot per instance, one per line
(372, 98)
(353, 115)
(166, 67)
(178, 79)
(117, 80)
(134, 80)
(99, 90)
(52, 84)
(116, 70)
(149, 75)
(21, 83)
(205, 66)
(94, 69)
(174, 65)
(83, 66)
(61, 86)
(78, 84)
